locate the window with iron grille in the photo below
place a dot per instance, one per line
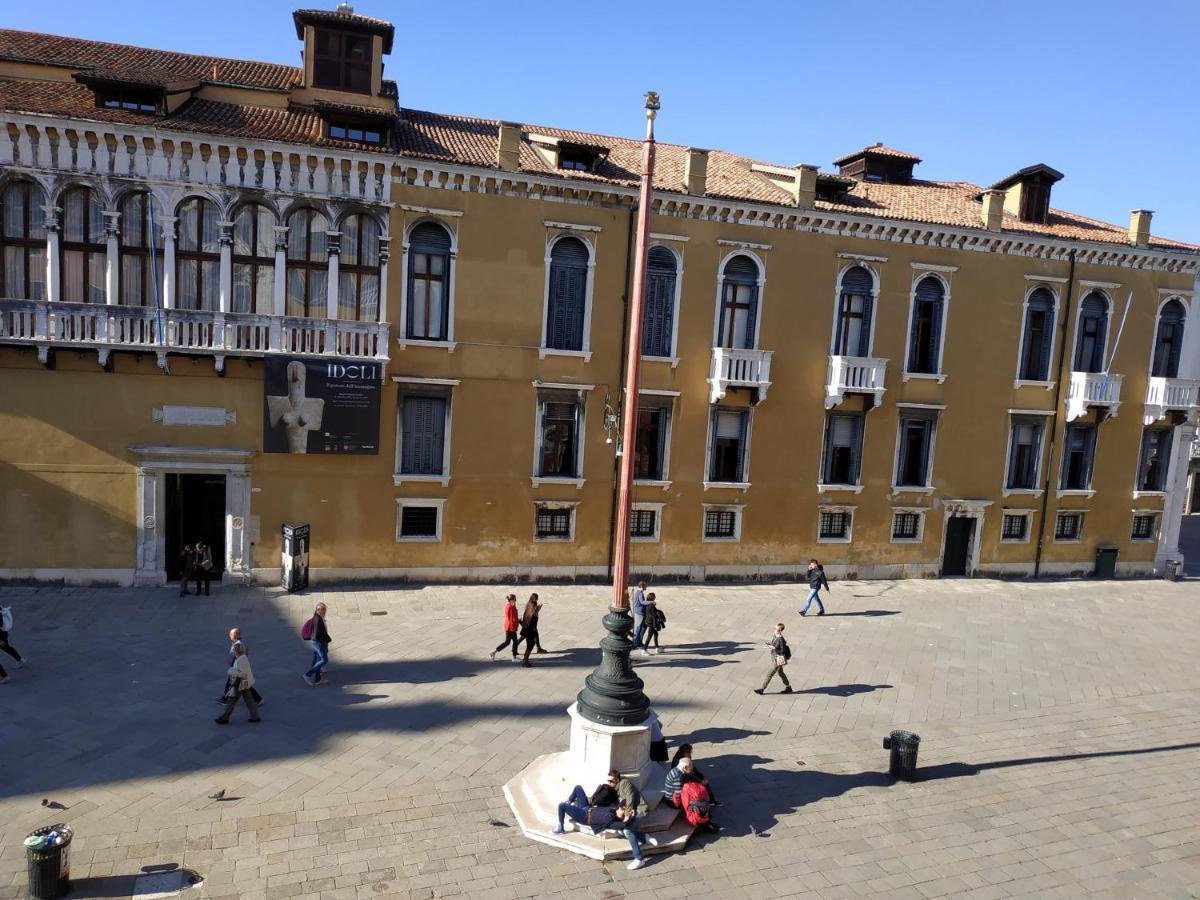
(834, 526)
(643, 523)
(553, 524)
(1144, 528)
(1014, 527)
(906, 526)
(1068, 526)
(419, 522)
(720, 523)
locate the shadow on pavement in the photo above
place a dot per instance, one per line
(716, 735)
(844, 690)
(866, 612)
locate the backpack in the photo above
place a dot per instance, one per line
(787, 651)
(306, 631)
(697, 804)
(6, 619)
(660, 620)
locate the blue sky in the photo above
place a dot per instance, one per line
(1106, 92)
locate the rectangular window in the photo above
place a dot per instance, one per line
(348, 131)
(1015, 527)
(649, 461)
(906, 526)
(720, 524)
(916, 440)
(1145, 527)
(558, 428)
(727, 455)
(1153, 460)
(423, 434)
(843, 448)
(419, 522)
(643, 523)
(553, 523)
(1079, 447)
(834, 525)
(1024, 454)
(1068, 526)
(342, 61)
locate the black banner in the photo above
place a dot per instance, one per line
(321, 406)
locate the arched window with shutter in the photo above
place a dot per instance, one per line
(138, 268)
(658, 321)
(307, 280)
(566, 307)
(253, 259)
(22, 241)
(856, 302)
(358, 269)
(1168, 340)
(84, 252)
(427, 317)
(198, 255)
(1037, 336)
(739, 303)
(925, 331)
(1091, 333)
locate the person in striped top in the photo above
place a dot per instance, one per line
(675, 779)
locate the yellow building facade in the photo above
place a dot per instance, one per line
(239, 295)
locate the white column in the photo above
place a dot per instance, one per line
(278, 295)
(237, 504)
(384, 254)
(333, 242)
(112, 267)
(167, 224)
(225, 275)
(53, 252)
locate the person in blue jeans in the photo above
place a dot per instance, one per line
(816, 578)
(613, 804)
(320, 646)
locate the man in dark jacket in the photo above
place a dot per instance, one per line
(815, 577)
(320, 646)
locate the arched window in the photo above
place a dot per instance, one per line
(358, 269)
(925, 335)
(428, 315)
(84, 252)
(253, 259)
(307, 264)
(138, 270)
(739, 303)
(23, 240)
(1168, 340)
(856, 303)
(659, 315)
(198, 256)
(567, 305)
(1091, 334)
(1038, 336)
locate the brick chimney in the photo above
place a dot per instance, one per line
(1139, 227)
(993, 210)
(508, 147)
(695, 171)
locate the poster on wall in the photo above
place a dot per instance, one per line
(321, 406)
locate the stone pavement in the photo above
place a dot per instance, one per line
(1060, 748)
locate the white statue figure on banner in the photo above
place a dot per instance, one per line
(297, 413)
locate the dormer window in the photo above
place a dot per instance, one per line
(580, 157)
(877, 163)
(346, 131)
(132, 102)
(1027, 192)
(342, 61)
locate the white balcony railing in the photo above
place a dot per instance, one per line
(1093, 389)
(1165, 395)
(739, 369)
(854, 375)
(104, 328)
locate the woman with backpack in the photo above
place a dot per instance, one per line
(654, 621)
(529, 627)
(780, 654)
(6, 624)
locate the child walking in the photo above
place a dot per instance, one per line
(510, 627)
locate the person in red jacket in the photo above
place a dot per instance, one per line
(510, 627)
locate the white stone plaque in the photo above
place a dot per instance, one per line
(206, 416)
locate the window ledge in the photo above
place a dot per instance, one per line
(673, 360)
(732, 485)
(653, 482)
(539, 480)
(427, 539)
(720, 540)
(1020, 383)
(1075, 493)
(829, 488)
(1014, 540)
(1023, 492)
(644, 540)
(400, 478)
(1077, 540)
(923, 376)
(448, 346)
(897, 540)
(585, 355)
(1138, 495)
(554, 540)
(1149, 540)
(911, 489)
(833, 540)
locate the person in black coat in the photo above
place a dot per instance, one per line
(816, 578)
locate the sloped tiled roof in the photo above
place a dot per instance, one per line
(346, 18)
(877, 150)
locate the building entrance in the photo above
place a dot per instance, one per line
(195, 511)
(959, 531)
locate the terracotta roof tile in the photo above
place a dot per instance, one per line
(877, 150)
(346, 18)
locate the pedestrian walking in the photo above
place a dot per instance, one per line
(242, 677)
(816, 578)
(655, 621)
(187, 559)
(235, 637)
(510, 627)
(317, 635)
(529, 627)
(202, 573)
(780, 654)
(6, 624)
(639, 613)
(537, 640)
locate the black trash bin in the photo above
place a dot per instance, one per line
(903, 764)
(49, 864)
(1106, 562)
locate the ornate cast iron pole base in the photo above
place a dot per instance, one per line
(612, 694)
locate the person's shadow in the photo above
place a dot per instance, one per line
(844, 690)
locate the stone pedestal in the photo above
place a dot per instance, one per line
(596, 749)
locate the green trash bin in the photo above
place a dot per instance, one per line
(1106, 562)
(48, 861)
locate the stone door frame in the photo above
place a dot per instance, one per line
(968, 509)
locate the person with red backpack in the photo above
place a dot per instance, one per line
(317, 635)
(697, 805)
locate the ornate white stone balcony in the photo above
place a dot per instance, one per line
(854, 375)
(1093, 389)
(1164, 395)
(140, 329)
(739, 369)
